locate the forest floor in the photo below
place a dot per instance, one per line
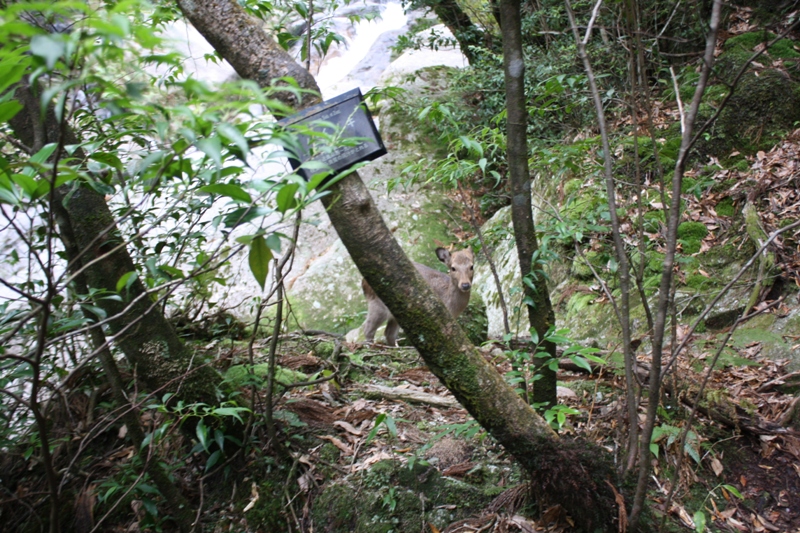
(740, 469)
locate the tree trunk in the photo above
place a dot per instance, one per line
(458, 22)
(540, 310)
(576, 475)
(242, 42)
(95, 247)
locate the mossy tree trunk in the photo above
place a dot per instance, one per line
(96, 248)
(537, 297)
(572, 474)
(468, 35)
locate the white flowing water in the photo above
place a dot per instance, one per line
(360, 61)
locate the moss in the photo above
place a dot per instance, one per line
(699, 282)
(268, 514)
(748, 41)
(580, 269)
(761, 111)
(725, 208)
(390, 500)
(782, 49)
(691, 234)
(653, 220)
(655, 262)
(572, 187)
(238, 375)
(324, 350)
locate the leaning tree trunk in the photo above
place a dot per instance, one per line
(540, 310)
(468, 35)
(572, 474)
(96, 248)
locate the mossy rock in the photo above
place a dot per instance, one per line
(762, 110)
(393, 497)
(737, 50)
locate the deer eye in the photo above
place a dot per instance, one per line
(453, 269)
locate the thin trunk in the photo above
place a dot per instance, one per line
(540, 309)
(665, 289)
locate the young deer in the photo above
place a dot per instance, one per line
(453, 289)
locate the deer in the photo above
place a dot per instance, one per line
(453, 289)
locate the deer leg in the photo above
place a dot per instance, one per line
(377, 314)
(392, 328)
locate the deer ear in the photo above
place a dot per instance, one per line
(443, 255)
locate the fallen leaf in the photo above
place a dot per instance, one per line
(716, 466)
(347, 427)
(347, 450)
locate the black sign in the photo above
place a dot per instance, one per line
(351, 118)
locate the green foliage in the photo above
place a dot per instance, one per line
(666, 435)
(385, 420)
(525, 363)
(175, 159)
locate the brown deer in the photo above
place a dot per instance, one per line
(453, 290)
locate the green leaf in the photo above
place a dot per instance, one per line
(733, 490)
(699, 521)
(654, 448)
(378, 420)
(581, 362)
(99, 312)
(231, 411)
(202, 434)
(49, 48)
(26, 183)
(212, 147)
(107, 159)
(213, 459)
(232, 134)
(219, 438)
(125, 281)
(9, 109)
(260, 256)
(150, 507)
(245, 214)
(147, 489)
(8, 193)
(274, 242)
(285, 197)
(230, 190)
(594, 358)
(390, 425)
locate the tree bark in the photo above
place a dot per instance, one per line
(242, 41)
(576, 475)
(93, 244)
(540, 311)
